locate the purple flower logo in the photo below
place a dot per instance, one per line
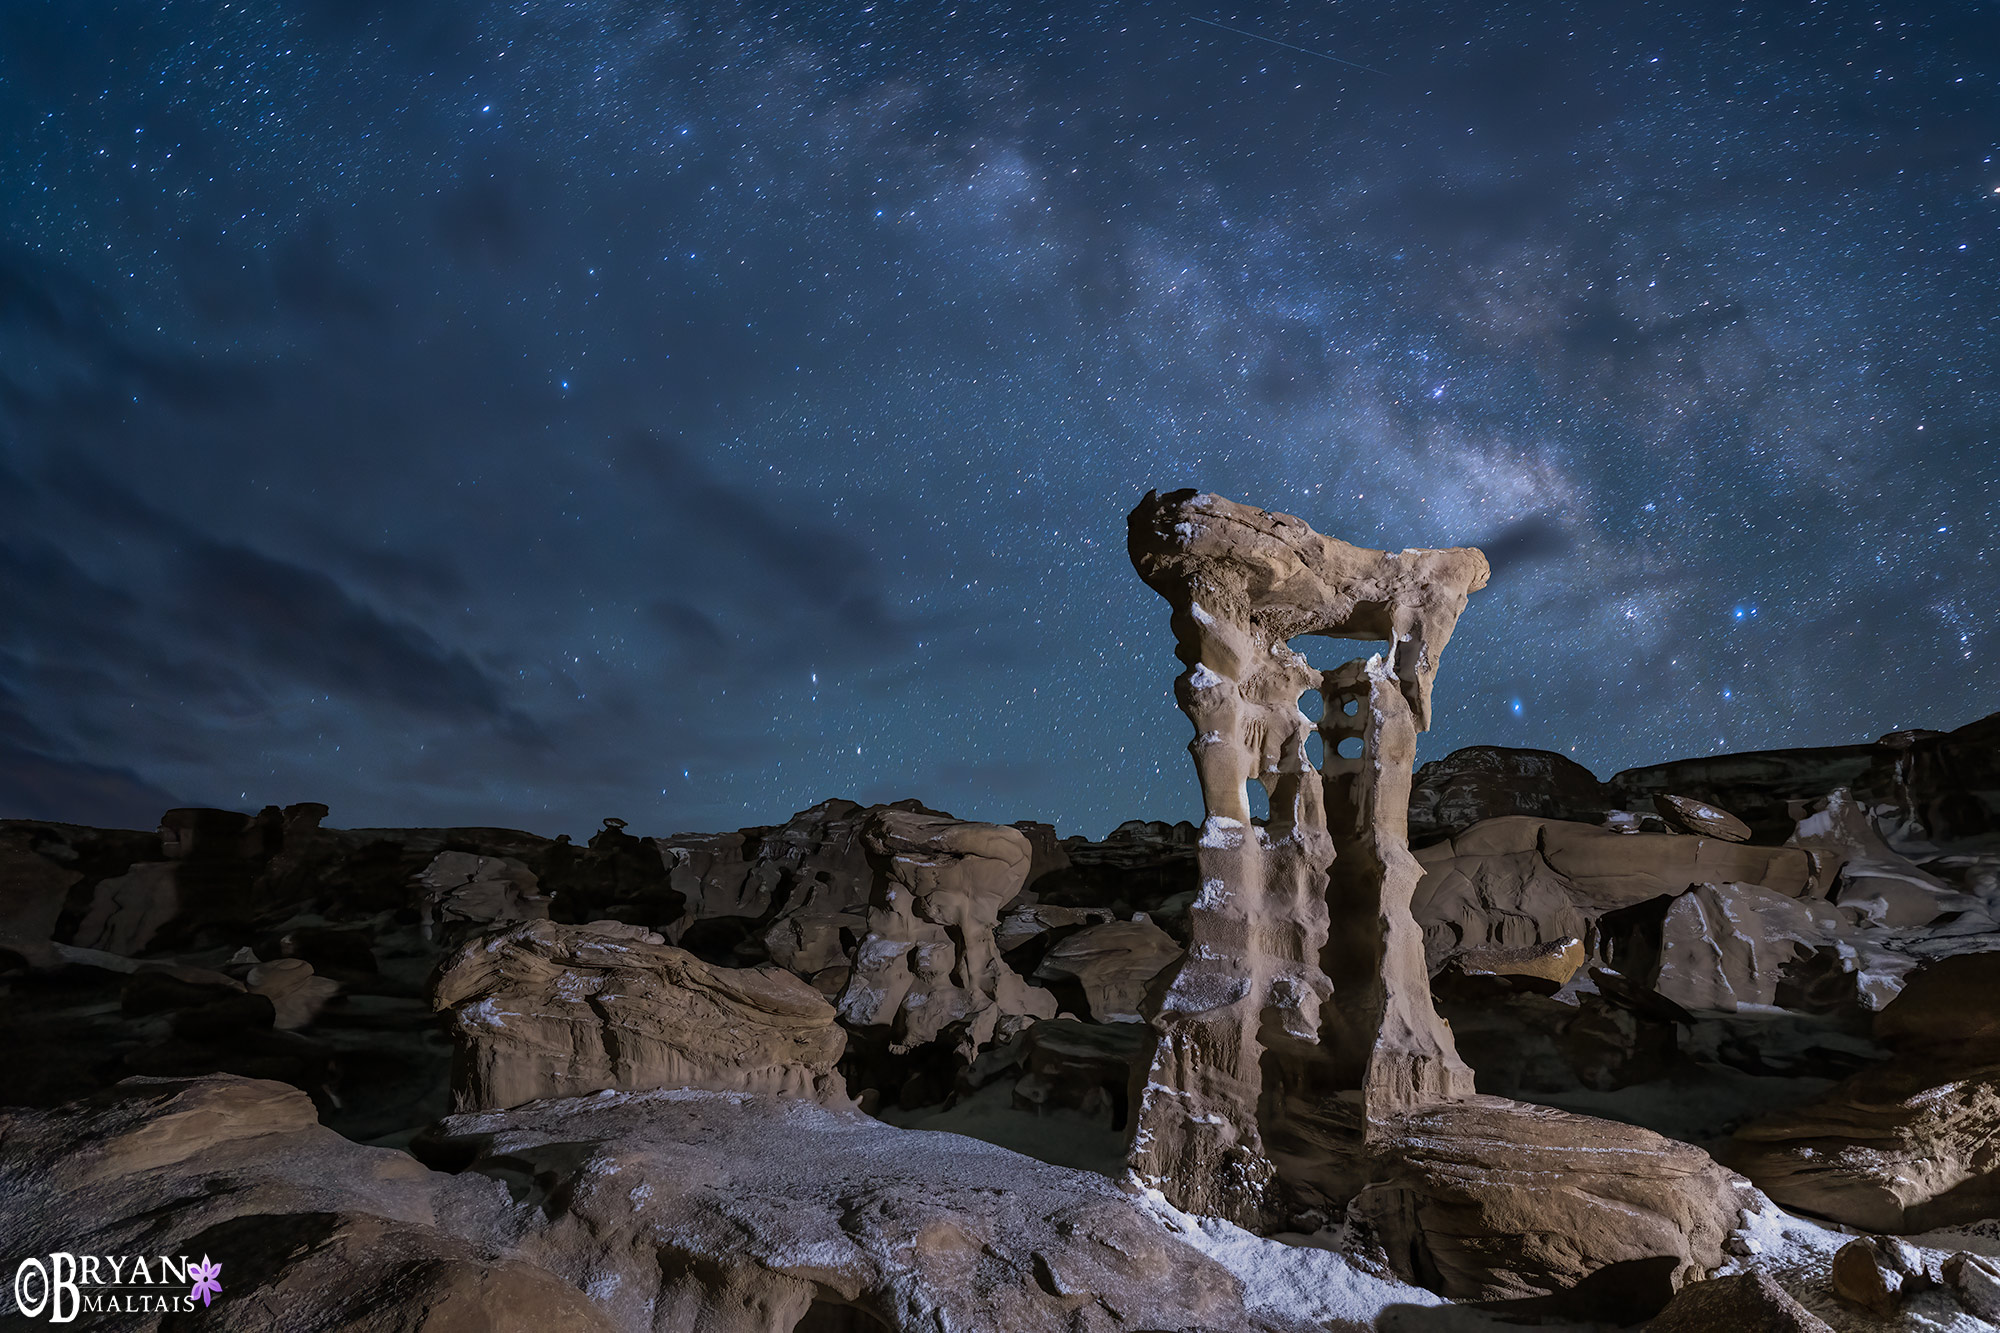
(207, 1280)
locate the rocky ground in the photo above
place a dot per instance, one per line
(1728, 1019)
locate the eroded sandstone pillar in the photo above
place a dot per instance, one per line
(1304, 994)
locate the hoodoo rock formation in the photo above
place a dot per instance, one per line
(1300, 1064)
(878, 1068)
(1327, 984)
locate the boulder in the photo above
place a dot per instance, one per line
(127, 911)
(1975, 1280)
(1727, 945)
(1878, 1273)
(734, 1212)
(313, 1234)
(540, 1009)
(1552, 964)
(1901, 1147)
(296, 994)
(1684, 814)
(1739, 1303)
(1876, 885)
(1488, 1199)
(1908, 1144)
(1112, 964)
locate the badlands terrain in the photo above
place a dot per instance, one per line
(1708, 1045)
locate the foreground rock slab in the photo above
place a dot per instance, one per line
(314, 1233)
(734, 1213)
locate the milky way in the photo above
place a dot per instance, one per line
(525, 414)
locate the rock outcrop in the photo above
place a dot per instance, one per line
(541, 1009)
(1938, 788)
(1739, 1303)
(314, 1234)
(1518, 881)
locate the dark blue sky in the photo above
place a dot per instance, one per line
(528, 413)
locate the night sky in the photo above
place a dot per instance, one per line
(521, 414)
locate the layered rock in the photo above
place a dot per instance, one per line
(541, 1009)
(1488, 1199)
(1519, 881)
(1686, 815)
(314, 1234)
(1268, 927)
(754, 1214)
(1909, 1144)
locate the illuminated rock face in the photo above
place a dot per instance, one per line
(1305, 986)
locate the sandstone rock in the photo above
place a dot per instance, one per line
(1687, 815)
(1555, 962)
(1242, 583)
(1878, 1273)
(1948, 1010)
(738, 1213)
(129, 910)
(1726, 945)
(461, 889)
(1140, 866)
(1876, 885)
(1975, 1280)
(1029, 921)
(929, 963)
(1487, 1199)
(314, 1234)
(542, 1009)
(1904, 1146)
(1940, 787)
(1908, 1144)
(1610, 1046)
(1740, 1303)
(1112, 963)
(1515, 882)
(1481, 782)
(296, 994)
(32, 887)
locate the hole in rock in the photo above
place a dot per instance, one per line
(1316, 750)
(1351, 707)
(838, 1317)
(1324, 652)
(1259, 799)
(1349, 747)
(1312, 705)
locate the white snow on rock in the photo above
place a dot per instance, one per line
(1302, 1284)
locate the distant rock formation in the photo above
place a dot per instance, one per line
(546, 1010)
